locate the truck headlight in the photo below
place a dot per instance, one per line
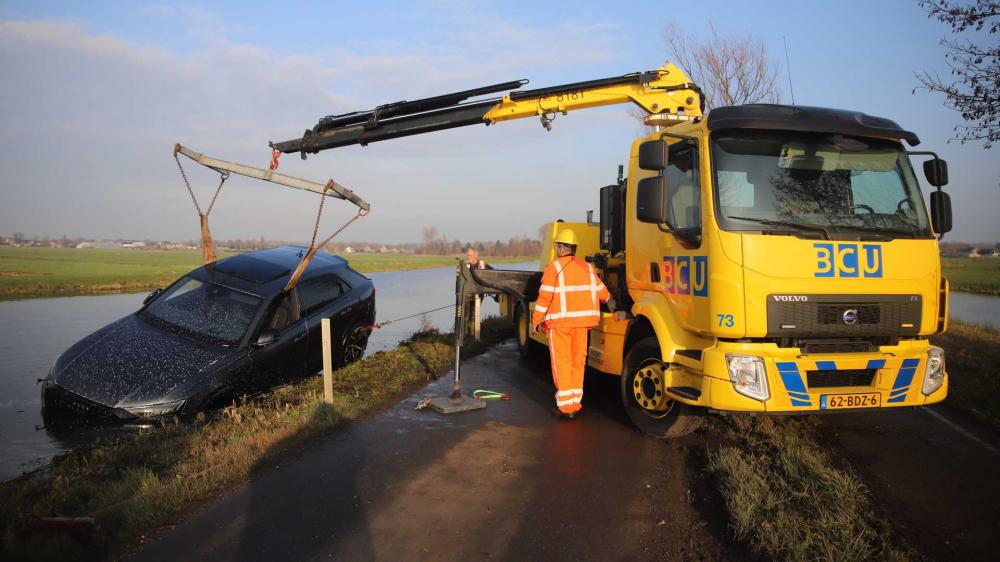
(154, 410)
(748, 376)
(934, 373)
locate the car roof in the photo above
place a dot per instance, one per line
(265, 272)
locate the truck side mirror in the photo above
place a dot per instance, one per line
(936, 172)
(651, 200)
(940, 208)
(653, 155)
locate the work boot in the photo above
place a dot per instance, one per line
(559, 414)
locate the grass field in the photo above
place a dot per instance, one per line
(973, 275)
(38, 272)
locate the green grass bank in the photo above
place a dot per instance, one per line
(972, 356)
(133, 485)
(39, 272)
(973, 275)
(788, 500)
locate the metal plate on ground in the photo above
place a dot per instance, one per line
(446, 405)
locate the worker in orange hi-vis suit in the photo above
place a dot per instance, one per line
(568, 306)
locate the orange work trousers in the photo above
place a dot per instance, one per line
(568, 351)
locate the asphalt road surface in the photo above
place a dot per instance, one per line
(511, 482)
(507, 483)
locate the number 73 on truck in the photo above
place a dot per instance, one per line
(765, 259)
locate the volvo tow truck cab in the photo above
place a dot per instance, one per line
(764, 258)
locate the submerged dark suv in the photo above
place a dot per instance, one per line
(224, 330)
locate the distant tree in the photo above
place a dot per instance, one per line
(730, 69)
(974, 87)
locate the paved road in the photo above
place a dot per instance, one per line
(510, 482)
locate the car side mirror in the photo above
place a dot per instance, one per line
(941, 211)
(936, 172)
(266, 337)
(651, 200)
(149, 298)
(653, 155)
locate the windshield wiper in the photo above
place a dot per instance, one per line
(876, 230)
(796, 225)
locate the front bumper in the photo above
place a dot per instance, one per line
(801, 383)
(57, 402)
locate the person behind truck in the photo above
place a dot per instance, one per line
(475, 262)
(568, 306)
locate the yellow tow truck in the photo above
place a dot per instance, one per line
(765, 258)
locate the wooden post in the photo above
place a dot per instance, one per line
(327, 363)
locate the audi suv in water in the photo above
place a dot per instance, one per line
(224, 330)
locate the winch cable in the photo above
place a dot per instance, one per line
(207, 245)
(313, 247)
(387, 322)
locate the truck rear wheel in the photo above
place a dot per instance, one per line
(527, 348)
(640, 394)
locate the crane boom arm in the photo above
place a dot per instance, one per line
(664, 91)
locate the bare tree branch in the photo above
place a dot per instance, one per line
(974, 88)
(731, 69)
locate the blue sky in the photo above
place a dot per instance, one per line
(95, 94)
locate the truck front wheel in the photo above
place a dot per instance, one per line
(645, 402)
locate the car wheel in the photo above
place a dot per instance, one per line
(646, 402)
(354, 343)
(527, 348)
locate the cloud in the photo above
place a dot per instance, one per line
(90, 120)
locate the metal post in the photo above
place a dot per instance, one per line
(327, 362)
(478, 318)
(456, 390)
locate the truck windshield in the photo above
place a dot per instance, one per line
(817, 186)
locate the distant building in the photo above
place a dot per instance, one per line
(85, 245)
(348, 250)
(975, 253)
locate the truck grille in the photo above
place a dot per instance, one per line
(850, 377)
(811, 348)
(834, 313)
(843, 315)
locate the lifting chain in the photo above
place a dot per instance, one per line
(207, 245)
(313, 247)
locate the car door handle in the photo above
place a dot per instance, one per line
(300, 337)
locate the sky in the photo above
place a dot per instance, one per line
(94, 95)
